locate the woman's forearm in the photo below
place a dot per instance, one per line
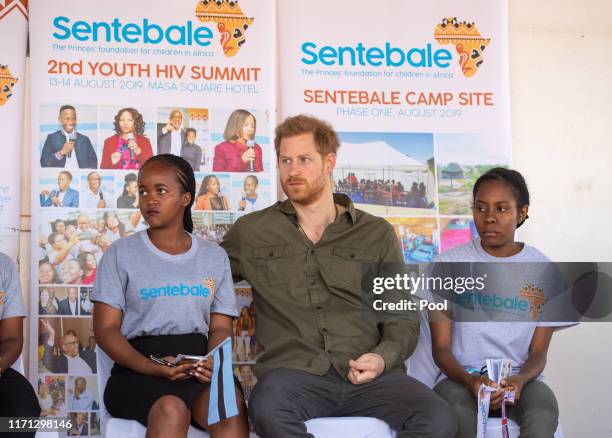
(446, 361)
(533, 366)
(122, 352)
(11, 341)
(538, 350)
(10, 350)
(218, 335)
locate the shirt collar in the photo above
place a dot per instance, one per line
(339, 198)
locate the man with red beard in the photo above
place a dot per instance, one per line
(325, 353)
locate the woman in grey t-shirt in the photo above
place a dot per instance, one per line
(501, 203)
(17, 397)
(161, 292)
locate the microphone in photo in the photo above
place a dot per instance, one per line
(55, 195)
(71, 139)
(251, 146)
(130, 138)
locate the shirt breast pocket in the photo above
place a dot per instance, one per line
(273, 264)
(348, 264)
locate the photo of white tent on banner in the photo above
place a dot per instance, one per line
(382, 180)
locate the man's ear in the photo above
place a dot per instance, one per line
(329, 162)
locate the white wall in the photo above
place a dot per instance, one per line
(561, 76)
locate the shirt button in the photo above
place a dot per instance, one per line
(319, 308)
(328, 351)
(312, 252)
(324, 330)
(270, 254)
(312, 282)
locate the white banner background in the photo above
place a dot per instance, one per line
(404, 104)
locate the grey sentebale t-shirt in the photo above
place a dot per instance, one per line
(163, 294)
(11, 301)
(474, 342)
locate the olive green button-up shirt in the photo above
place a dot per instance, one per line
(308, 299)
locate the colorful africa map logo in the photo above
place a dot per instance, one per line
(209, 283)
(467, 40)
(7, 82)
(231, 22)
(536, 298)
(8, 6)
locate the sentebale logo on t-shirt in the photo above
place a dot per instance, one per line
(181, 290)
(530, 299)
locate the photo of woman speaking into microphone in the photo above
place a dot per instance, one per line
(238, 152)
(128, 148)
(209, 196)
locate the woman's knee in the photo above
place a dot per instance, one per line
(538, 405)
(169, 408)
(235, 426)
(454, 393)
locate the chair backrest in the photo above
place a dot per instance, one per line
(18, 365)
(361, 427)
(105, 364)
(421, 365)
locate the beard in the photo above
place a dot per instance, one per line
(306, 194)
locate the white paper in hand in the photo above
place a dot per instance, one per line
(181, 357)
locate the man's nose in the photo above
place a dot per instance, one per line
(294, 169)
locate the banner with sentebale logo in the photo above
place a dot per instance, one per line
(419, 94)
(115, 84)
(13, 44)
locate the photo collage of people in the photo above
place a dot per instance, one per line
(88, 198)
(245, 349)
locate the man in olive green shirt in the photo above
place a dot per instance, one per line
(324, 354)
